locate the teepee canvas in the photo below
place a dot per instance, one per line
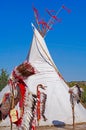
(58, 106)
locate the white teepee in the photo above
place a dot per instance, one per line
(58, 107)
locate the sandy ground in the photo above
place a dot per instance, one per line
(77, 127)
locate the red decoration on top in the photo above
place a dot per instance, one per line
(53, 16)
(36, 13)
(68, 10)
(44, 24)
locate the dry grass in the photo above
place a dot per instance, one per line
(67, 127)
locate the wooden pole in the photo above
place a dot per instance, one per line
(73, 112)
(11, 108)
(11, 126)
(12, 104)
(73, 116)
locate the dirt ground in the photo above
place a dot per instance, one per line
(77, 127)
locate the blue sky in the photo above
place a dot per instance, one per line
(66, 42)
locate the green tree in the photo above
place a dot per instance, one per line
(3, 78)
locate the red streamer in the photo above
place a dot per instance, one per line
(36, 12)
(68, 10)
(38, 106)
